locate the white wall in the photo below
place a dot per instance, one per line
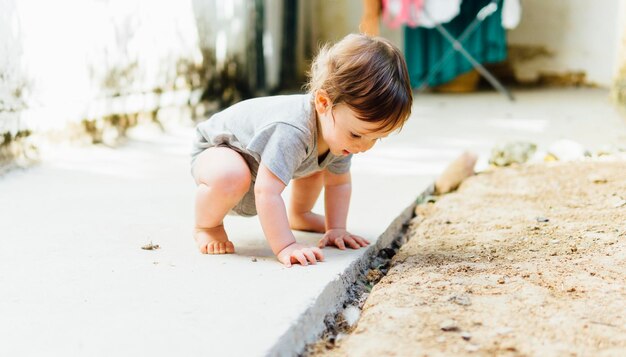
(579, 35)
(621, 59)
(120, 56)
(58, 65)
(331, 20)
(66, 64)
(328, 21)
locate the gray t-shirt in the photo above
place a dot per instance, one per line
(280, 131)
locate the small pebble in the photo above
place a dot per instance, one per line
(374, 275)
(542, 219)
(351, 314)
(254, 259)
(461, 299)
(449, 325)
(554, 241)
(150, 246)
(501, 280)
(386, 253)
(430, 199)
(378, 263)
(597, 179)
(466, 336)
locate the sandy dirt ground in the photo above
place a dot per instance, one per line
(520, 261)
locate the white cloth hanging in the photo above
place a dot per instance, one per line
(442, 11)
(434, 12)
(438, 12)
(511, 14)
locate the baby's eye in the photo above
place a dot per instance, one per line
(356, 136)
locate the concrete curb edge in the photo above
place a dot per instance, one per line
(310, 325)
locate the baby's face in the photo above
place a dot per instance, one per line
(345, 134)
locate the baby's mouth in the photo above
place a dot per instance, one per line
(345, 152)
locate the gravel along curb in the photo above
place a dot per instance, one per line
(337, 308)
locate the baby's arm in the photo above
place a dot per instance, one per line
(337, 191)
(273, 217)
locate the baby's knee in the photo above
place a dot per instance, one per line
(223, 170)
(230, 184)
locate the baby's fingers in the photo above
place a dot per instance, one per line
(286, 260)
(318, 254)
(339, 243)
(323, 242)
(310, 257)
(299, 256)
(362, 241)
(351, 242)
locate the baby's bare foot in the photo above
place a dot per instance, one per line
(213, 240)
(308, 222)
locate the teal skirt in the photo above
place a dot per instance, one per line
(424, 47)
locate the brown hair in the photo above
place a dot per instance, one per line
(369, 75)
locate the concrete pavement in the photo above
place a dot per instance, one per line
(74, 280)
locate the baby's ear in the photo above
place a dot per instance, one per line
(322, 101)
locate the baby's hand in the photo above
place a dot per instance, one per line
(298, 253)
(341, 237)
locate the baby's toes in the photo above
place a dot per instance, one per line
(212, 248)
(202, 246)
(217, 248)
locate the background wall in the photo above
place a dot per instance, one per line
(105, 65)
(561, 36)
(114, 61)
(327, 21)
(102, 58)
(555, 37)
(619, 88)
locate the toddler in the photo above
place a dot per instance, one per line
(245, 156)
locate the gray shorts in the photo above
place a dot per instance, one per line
(246, 207)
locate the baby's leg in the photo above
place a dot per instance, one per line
(223, 178)
(304, 193)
